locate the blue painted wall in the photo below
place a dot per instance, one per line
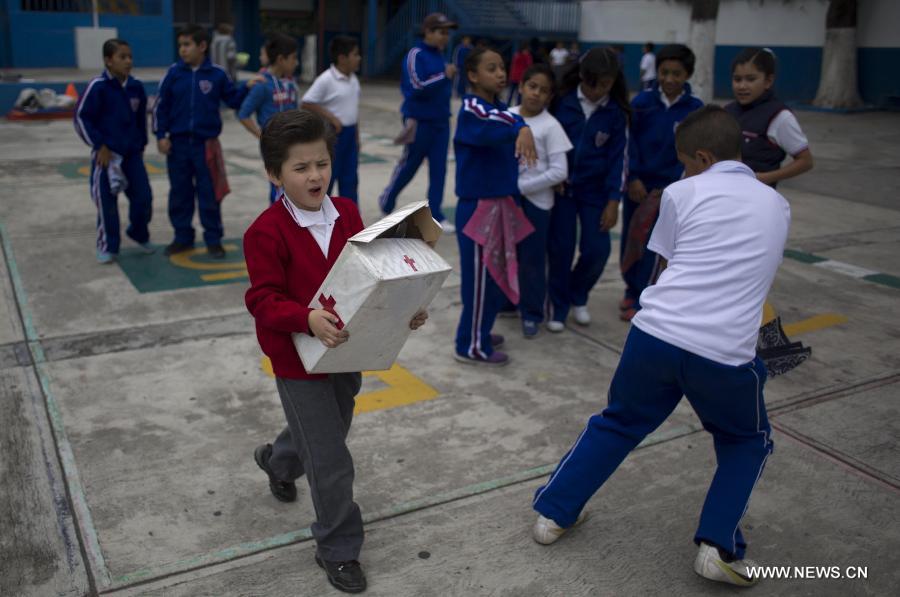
(799, 71)
(47, 39)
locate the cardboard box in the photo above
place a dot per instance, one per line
(382, 278)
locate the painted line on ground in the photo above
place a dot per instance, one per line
(90, 541)
(244, 550)
(846, 269)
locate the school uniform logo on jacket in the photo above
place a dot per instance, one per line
(601, 138)
(135, 104)
(205, 86)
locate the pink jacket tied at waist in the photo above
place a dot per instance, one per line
(499, 225)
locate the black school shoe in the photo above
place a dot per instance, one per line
(285, 491)
(344, 576)
(216, 251)
(175, 247)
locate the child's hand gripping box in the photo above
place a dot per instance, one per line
(382, 278)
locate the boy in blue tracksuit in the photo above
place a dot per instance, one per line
(112, 118)
(426, 84)
(594, 114)
(277, 91)
(653, 165)
(185, 119)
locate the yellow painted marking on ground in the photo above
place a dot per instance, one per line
(225, 276)
(151, 169)
(768, 313)
(811, 324)
(184, 260)
(403, 388)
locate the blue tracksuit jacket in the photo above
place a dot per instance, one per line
(651, 150)
(598, 162)
(425, 87)
(188, 100)
(268, 98)
(484, 143)
(113, 115)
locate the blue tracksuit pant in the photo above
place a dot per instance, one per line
(140, 203)
(649, 382)
(432, 140)
(189, 177)
(482, 299)
(640, 274)
(274, 193)
(532, 254)
(567, 285)
(346, 164)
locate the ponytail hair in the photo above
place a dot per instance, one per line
(595, 64)
(761, 58)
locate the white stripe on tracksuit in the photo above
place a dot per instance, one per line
(97, 197)
(79, 124)
(382, 199)
(475, 345)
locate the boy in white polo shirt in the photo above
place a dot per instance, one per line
(722, 234)
(334, 95)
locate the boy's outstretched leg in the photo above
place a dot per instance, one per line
(107, 213)
(643, 393)
(140, 201)
(412, 157)
(742, 439)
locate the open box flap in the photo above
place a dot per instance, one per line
(412, 221)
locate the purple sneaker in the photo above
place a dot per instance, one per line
(497, 359)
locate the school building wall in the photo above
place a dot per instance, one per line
(38, 39)
(794, 30)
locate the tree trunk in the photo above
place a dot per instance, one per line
(838, 85)
(702, 40)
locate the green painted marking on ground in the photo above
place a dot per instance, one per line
(368, 158)
(158, 273)
(884, 279)
(803, 257)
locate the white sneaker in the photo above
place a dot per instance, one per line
(582, 315)
(709, 564)
(555, 326)
(448, 227)
(545, 531)
(147, 248)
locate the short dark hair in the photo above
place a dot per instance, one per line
(540, 68)
(762, 58)
(341, 45)
(649, 46)
(280, 44)
(678, 52)
(710, 128)
(289, 128)
(111, 46)
(196, 32)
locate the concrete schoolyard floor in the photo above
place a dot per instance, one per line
(132, 397)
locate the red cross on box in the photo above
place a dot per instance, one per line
(328, 304)
(410, 262)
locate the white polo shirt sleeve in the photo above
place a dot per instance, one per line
(785, 131)
(665, 231)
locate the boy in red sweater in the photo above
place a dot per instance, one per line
(289, 250)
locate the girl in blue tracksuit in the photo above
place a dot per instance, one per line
(186, 116)
(488, 143)
(112, 118)
(653, 162)
(593, 109)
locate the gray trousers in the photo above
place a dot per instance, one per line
(318, 415)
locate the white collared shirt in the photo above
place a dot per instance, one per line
(589, 107)
(665, 99)
(337, 93)
(319, 223)
(723, 233)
